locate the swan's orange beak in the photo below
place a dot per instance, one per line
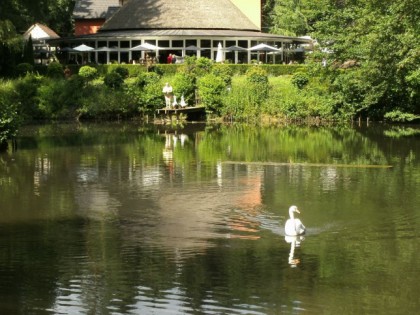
(297, 210)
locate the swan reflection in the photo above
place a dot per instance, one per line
(294, 242)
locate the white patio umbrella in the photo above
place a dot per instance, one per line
(235, 48)
(83, 48)
(219, 55)
(105, 49)
(264, 47)
(192, 47)
(145, 47)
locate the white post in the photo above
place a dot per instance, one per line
(107, 53)
(249, 52)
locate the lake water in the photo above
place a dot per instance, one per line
(133, 219)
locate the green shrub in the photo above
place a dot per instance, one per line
(146, 78)
(399, 116)
(184, 84)
(61, 99)
(278, 70)
(24, 69)
(105, 103)
(211, 88)
(51, 100)
(203, 66)
(257, 75)
(9, 118)
(241, 103)
(258, 83)
(190, 65)
(88, 73)
(167, 69)
(113, 80)
(146, 92)
(223, 71)
(55, 70)
(27, 97)
(152, 98)
(300, 80)
(108, 68)
(122, 71)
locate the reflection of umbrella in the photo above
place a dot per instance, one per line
(145, 47)
(219, 55)
(192, 47)
(235, 48)
(83, 48)
(263, 47)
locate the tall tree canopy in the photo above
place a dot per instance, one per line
(23, 13)
(16, 16)
(382, 37)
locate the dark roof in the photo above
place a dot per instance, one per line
(110, 12)
(179, 14)
(93, 9)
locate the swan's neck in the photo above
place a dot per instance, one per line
(292, 216)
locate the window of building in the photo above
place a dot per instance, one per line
(135, 43)
(113, 44)
(125, 44)
(177, 43)
(164, 43)
(190, 42)
(243, 43)
(205, 43)
(229, 43)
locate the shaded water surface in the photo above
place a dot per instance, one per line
(128, 219)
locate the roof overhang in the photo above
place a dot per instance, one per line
(182, 33)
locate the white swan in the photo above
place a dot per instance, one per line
(294, 226)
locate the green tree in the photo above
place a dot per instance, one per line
(211, 89)
(382, 39)
(23, 13)
(9, 119)
(292, 17)
(11, 45)
(28, 53)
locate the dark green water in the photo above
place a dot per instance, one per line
(128, 219)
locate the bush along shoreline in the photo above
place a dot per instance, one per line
(247, 93)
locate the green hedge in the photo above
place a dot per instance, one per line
(169, 69)
(272, 70)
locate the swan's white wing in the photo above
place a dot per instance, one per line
(294, 227)
(299, 227)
